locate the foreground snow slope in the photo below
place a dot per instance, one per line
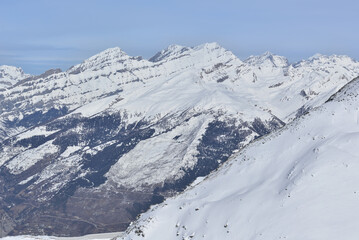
(300, 182)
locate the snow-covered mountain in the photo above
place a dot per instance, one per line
(299, 182)
(10, 75)
(88, 149)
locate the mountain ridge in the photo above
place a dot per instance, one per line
(130, 132)
(10, 75)
(173, 47)
(277, 190)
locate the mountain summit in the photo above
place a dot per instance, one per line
(268, 60)
(10, 75)
(87, 150)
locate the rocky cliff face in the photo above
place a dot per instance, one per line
(88, 149)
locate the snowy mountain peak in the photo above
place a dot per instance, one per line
(9, 75)
(105, 58)
(204, 51)
(210, 46)
(317, 56)
(333, 57)
(320, 59)
(175, 48)
(11, 72)
(213, 51)
(109, 53)
(171, 52)
(9, 68)
(268, 59)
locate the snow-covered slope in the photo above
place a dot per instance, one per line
(283, 88)
(129, 132)
(10, 75)
(300, 182)
(203, 77)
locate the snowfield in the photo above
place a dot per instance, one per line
(300, 182)
(88, 149)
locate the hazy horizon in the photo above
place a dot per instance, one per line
(39, 35)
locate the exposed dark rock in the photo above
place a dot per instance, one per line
(303, 93)
(302, 111)
(275, 85)
(83, 205)
(222, 79)
(38, 117)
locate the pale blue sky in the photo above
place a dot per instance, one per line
(41, 34)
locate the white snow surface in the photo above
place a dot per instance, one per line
(300, 182)
(28, 158)
(209, 79)
(10, 75)
(41, 130)
(177, 78)
(204, 79)
(171, 155)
